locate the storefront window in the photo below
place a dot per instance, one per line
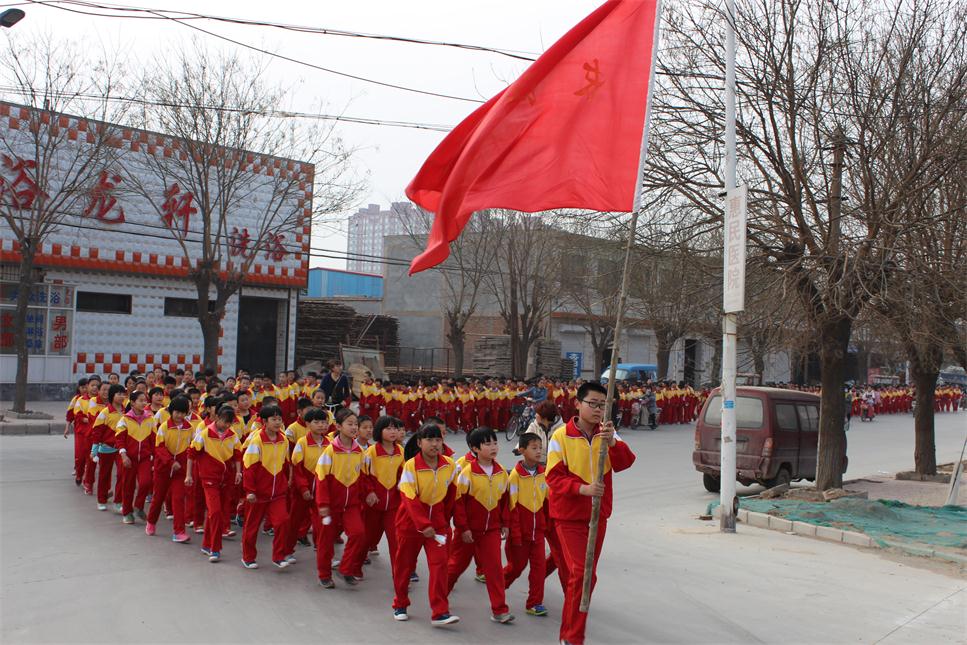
(50, 316)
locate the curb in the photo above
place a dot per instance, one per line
(14, 428)
(830, 534)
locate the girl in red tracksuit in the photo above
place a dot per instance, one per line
(382, 466)
(215, 457)
(305, 457)
(87, 416)
(80, 457)
(135, 440)
(170, 463)
(339, 492)
(481, 520)
(427, 492)
(528, 523)
(103, 450)
(266, 485)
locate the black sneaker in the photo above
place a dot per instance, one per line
(350, 580)
(327, 583)
(304, 541)
(444, 619)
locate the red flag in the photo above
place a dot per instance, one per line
(566, 134)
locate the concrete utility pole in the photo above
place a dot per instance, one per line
(731, 302)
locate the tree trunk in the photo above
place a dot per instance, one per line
(663, 353)
(924, 369)
(457, 343)
(831, 459)
(716, 375)
(24, 286)
(759, 361)
(210, 327)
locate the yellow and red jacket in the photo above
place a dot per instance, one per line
(296, 430)
(527, 498)
(87, 411)
(305, 457)
(214, 455)
(71, 407)
(172, 442)
(134, 435)
(338, 472)
(264, 461)
(464, 460)
(382, 471)
(481, 501)
(105, 428)
(427, 495)
(572, 463)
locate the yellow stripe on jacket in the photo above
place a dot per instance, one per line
(576, 453)
(344, 466)
(383, 467)
(529, 491)
(221, 449)
(486, 489)
(175, 439)
(307, 454)
(427, 485)
(272, 455)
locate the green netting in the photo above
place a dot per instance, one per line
(883, 520)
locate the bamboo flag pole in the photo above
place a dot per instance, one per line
(602, 456)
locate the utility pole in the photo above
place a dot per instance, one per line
(727, 498)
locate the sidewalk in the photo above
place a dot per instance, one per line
(14, 426)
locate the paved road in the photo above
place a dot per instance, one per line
(71, 574)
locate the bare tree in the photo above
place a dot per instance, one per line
(524, 282)
(61, 139)
(816, 81)
(233, 156)
(463, 274)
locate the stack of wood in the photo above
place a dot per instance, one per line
(567, 369)
(548, 354)
(323, 326)
(491, 356)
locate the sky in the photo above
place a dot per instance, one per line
(387, 158)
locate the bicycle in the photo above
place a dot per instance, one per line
(521, 419)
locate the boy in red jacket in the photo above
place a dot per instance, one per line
(266, 485)
(216, 458)
(305, 457)
(482, 520)
(572, 479)
(528, 521)
(338, 496)
(382, 466)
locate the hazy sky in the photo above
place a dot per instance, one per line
(388, 156)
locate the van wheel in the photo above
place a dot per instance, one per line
(782, 477)
(712, 484)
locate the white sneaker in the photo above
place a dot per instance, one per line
(250, 565)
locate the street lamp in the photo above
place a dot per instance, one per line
(10, 17)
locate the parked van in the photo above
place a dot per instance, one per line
(777, 435)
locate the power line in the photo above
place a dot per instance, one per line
(290, 59)
(284, 114)
(170, 14)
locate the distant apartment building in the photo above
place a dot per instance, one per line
(370, 225)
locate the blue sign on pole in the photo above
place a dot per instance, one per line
(578, 359)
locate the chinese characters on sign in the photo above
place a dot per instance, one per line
(103, 201)
(48, 325)
(274, 248)
(733, 289)
(238, 242)
(177, 205)
(21, 191)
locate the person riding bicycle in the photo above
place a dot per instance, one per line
(335, 385)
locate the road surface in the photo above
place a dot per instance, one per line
(72, 574)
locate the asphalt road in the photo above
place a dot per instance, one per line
(72, 574)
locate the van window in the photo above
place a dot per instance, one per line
(748, 412)
(786, 417)
(808, 418)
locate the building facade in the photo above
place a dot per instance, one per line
(333, 283)
(113, 287)
(368, 226)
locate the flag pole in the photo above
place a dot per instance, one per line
(589, 553)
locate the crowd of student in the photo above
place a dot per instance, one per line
(210, 454)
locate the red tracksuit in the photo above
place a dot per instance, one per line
(340, 488)
(135, 437)
(528, 522)
(215, 456)
(482, 508)
(265, 475)
(77, 416)
(171, 448)
(571, 460)
(426, 501)
(91, 409)
(381, 471)
(305, 456)
(103, 437)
